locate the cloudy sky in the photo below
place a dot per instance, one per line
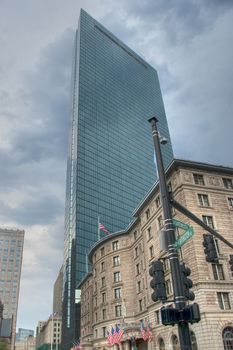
(189, 42)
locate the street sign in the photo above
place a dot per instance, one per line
(184, 238)
(180, 224)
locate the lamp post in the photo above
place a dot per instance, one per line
(178, 290)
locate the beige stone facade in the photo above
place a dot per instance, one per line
(49, 333)
(118, 291)
(29, 343)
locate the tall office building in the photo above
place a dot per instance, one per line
(11, 253)
(110, 163)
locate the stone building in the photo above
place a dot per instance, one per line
(28, 343)
(48, 335)
(117, 290)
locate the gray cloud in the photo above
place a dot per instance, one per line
(188, 42)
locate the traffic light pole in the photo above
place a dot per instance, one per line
(178, 288)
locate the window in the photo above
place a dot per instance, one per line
(136, 252)
(230, 202)
(117, 276)
(148, 213)
(223, 300)
(104, 314)
(199, 179)
(115, 245)
(103, 297)
(96, 333)
(157, 317)
(203, 200)
(140, 304)
(165, 265)
(175, 343)
(161, 344)
(116, 260)
(218, 271)
(227, 337)
(102, 251)
(118, 312)
(103, 282)
(102, 266)
(157, 202)
(104, 332)
(160, 221)
(149, 235)
(135, 234)
(96, 317)
(151, 249)
(137, 269)
(168, 287)
(139, 286)
(208, 220)
(227, 183)
(193, 341)
(117, 293)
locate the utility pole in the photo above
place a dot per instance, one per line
(178, 288)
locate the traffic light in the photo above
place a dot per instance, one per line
(190, 313)
(169, 316)
(187, 282)
(210, 248)
(231, 263)
(158, 282)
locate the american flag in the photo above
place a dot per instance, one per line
(149, 331)
(118, 335)
(102, 228)
(143, 332)
(77, 345)
(113, 335)
(109, 337)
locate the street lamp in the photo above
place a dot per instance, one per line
(178, 289)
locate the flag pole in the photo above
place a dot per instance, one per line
(98, 228)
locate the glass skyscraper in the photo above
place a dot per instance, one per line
(111, 156)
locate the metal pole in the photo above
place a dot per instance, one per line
(178, 290)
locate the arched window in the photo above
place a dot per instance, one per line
(175, 343)
(193, 341)
(161, 344)
(227, 337)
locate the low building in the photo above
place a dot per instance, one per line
(27, 343)
(24, 333)
(49, 335)
(117, 290)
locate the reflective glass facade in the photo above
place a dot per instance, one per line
(111, 155)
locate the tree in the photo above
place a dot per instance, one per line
(3, 346)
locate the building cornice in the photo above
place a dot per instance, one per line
(174, 165)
